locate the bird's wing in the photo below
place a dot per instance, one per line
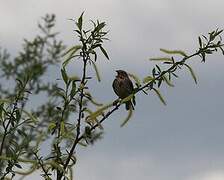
(115, 86)
(129, 86)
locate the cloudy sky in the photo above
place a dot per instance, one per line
(181, 141)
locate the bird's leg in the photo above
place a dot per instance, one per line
(115, 102)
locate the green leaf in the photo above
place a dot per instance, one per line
(200, 42)
(100, 26)
(158, 68)
(218, 32)
(18, 115)
(99, 111)
(81, 86)
(1, 110)
(61, 94)
(62, 127)
(2, 101)
(21, 133)
(148, 79)
(166, 59)
(205, 38)
(74, 78)
(95, 120)
(160, 80)
(160, 96)
(51, 126)
(167, 81)
(67, 60)
(79, 23)
(95, 55)
(95, 102)
(34, 119)
(192, 73)
(96, 71)
(70, 54)
(18, 166)
(104, 52)
(72, 50)
(64, 75)
(153, 72)
(136, 79)
(130, 112)
(221, 50)
(88, 131)
(73, 90)
(212, 36)
(82, 144)
(174, 52)
(128, 98)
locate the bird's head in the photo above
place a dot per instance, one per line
(121, 73)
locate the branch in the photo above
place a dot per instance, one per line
(11, 118)
(40, 162)
(85, 57)
(141, 88)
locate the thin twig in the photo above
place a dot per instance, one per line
(85, 58)
(10, 119)
(40, 162)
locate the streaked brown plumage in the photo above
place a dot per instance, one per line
(123, 87)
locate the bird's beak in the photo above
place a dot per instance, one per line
(117, 73)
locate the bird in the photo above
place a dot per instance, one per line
(123, 87)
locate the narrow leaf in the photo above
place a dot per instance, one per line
(18, 166)
(95, 102)
(71, 55)
(100, 26)
(89, 96)
(160, 96)
(174, 52)
(99, 111)
(218, 32)
(82, 144)
(200, 42)
(64, 75)
(128, 98)
(73, 90)
(167, 81)
(62, 127)
(130, 112)
(135, 78)
(1, 110)
(73, 50)
(96, 71)
(95, 120)
(166, 59)
(67, 60)
(2, 101)
(192, 73)
(104, 52)
(34, 119)
(79, 23)
(148, 79)
(51, 126)
(221, 50)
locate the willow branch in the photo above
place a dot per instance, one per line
(141, 88)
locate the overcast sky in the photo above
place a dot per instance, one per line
(181, 141)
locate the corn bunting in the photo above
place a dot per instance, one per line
(123, 87)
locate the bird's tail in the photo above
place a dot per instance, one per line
(129, 105)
